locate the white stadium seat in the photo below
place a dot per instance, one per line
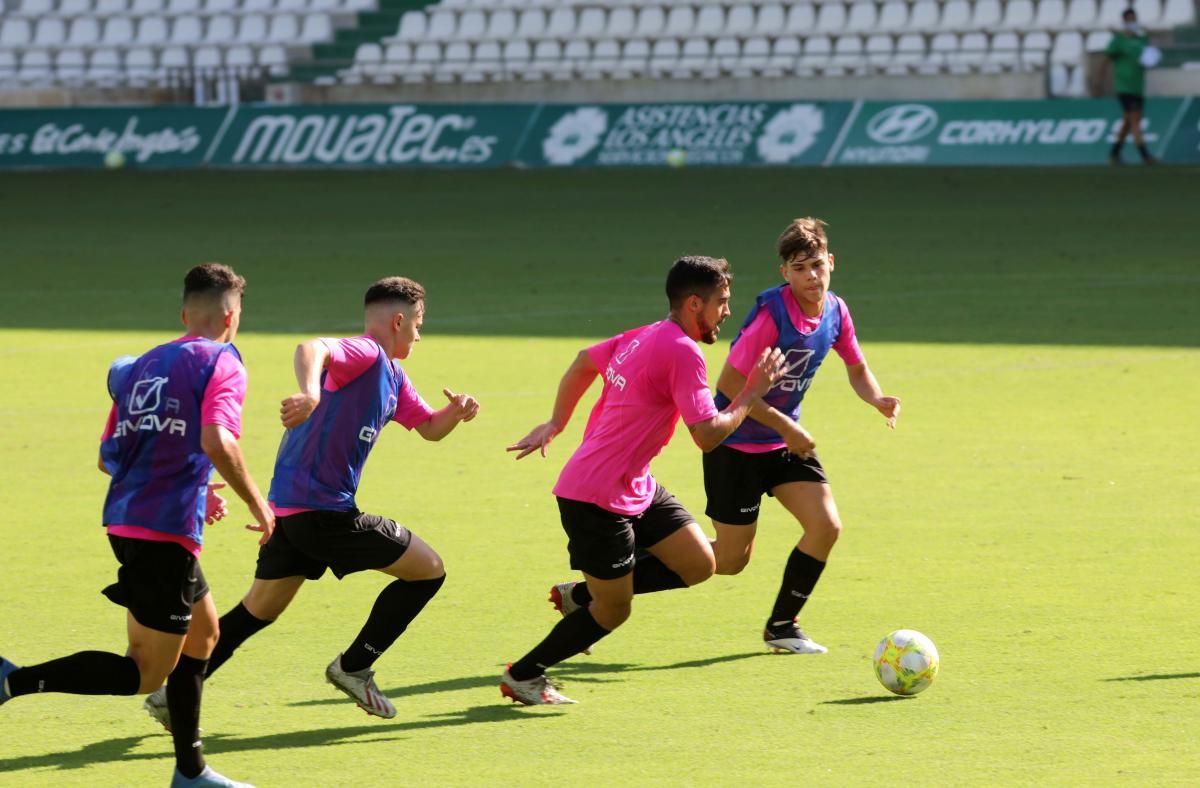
(756, 57)
(681, 21)
(273, 57)
(621, 23)
(831, 18)
(111, 8)
(1110, 13)
(740, 20)
(924, 16)
(15, 33)
(221, 29)
(187, 30)
(118, 31)
(592, 24)
(561, 24)
(441, 26)
(1050, 15)
(817, 52)
(152, 31)
(710, 21)
(317, 27)
(693, 57)
(179, 7)
(1004, 52)
(893, 16)
(502, 25)
(50, 32)
(847, 56)
(104, 67)
(174, 58)
(1081, 14)
(531, 23)
(252, 29)
(879, 50)
(861, 18)
(36, 8)
(725, 54)
(85, 32)
(650, 22)
(36, 67)
(910, 52)
(284, 29)
(147, 7)
(1149, 12)
(1068, 48)
(785, 54)
(212, 7)
(239, 57)
(73, 9)
(141, 64)
(771, 20)
(576, 54)
(988, 14)
(1018, 15)
(1178, 12)
(1097, 40)
(70, 65)
(801, 19)
(664, 57)
(956, 16)
(412, 26)
(258, 6)
(207, 57)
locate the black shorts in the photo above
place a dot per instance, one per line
(1131, 102)
(307, 543)
(735, 481)
(602, 543)
(158, 582)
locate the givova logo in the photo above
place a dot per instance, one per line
(901, 124)
(574, 135)
(790, 133)
(145, 400)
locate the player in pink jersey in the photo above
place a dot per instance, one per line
(350, 389)
(176, 415)
(625, 532)
(771, 453)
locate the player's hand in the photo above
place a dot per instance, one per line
(537, 440)
(296, 409)
(463, 406)
(890, 408)
(215, 507)
(768, 369)
(265, 518)
(799, 442)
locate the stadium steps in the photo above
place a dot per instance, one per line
(370, 27)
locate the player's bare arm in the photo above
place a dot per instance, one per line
(577, 379)
(310, 358)
(798, 439)
(867, 388)
(222, 448)
(460, 408)
(767, 369)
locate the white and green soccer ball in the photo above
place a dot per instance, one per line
(906, 662)
(676, 157)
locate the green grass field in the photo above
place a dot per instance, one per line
(1035, 513)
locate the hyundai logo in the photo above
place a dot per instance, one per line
(901, 124)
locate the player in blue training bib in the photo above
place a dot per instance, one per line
(771, 453)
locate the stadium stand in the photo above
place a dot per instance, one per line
(381, 42)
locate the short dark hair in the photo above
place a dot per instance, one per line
(1129, 15)
(213, 281)
(696, 275)
(394, 288)
(803, 236)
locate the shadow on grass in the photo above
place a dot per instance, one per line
(574, 671)
(1156, 677)
(864, 701)
(216, 744)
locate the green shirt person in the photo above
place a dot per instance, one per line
(1125, 51)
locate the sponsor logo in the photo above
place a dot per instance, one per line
(146, 395)
(613, 377)
(175, 617)
(749, 509)
(624, 354)
(146, 398)
(790, 133)
(401, 135)
(795, 361)
(574, 135)
(68, 139)
(901, 124)
(628, 561)
(368, 434)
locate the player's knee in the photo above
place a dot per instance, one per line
(699, 569)
(732, 564)
(150, 676)
(611, 614)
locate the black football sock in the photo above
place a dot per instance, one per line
(570, 636)
(800, 576)
(396, 606)
(184, 686)
(1115, 150)
(85, 673)
(581, 594)
(1145, 152)
(237, 626)
(651, 574)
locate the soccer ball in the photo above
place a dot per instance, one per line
(676, 157)
(114, 160)
(906, 662)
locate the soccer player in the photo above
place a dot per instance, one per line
(611, 507)
(1125, 50)
(349, 390)
(176, 414)
(771, 453)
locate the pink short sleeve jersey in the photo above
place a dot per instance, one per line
(222, 404)
(653, 375)
(762, 333)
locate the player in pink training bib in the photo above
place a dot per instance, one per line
(176, 416)
(771, 453)
(625, 532)
(350, 390)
